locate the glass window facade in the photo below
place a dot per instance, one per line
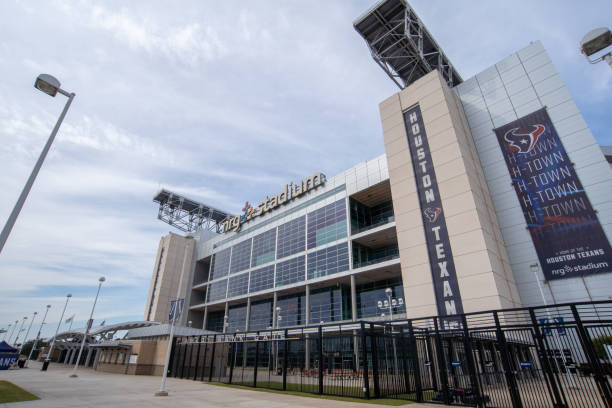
(220, 266)
(261, 315)
(327, 224)
(368, 296)
(215, 321)
(236, 318)
(264, 246)
(292, 310)
(238, 285)
(364, 217)
(291, 237)
(290, 271)
(328, 261)
(326, 305)
(217, 290)
(241, 256)
(261, 279)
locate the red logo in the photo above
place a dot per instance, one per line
(523, 140)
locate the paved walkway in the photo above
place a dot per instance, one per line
(96, 389)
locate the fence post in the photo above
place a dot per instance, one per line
(469, 353)
(365, 365)
(204, 360)
(232, 357)
(184, 357)
(600, 379)
(545, 363)
(441, 363)
(321, 360)
(374, 361)
(414, 357)
(212, 358)
(172, 357)
(403, 348)
(256, 361)
(515, 396)
(285, 359)
(197, 362)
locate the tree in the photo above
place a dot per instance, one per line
(598, 345)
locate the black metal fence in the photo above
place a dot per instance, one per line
(557, 356)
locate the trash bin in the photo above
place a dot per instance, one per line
(45, 365)
(20, 363)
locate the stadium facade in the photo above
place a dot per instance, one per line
(491, 194)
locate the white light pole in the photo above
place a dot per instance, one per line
(76, 366)
(51, 86)
(11, 335)
(162, 388)
(6, 331)
(392, 302)
(20, 330)
(37, 336)
(68, 296)
(28, 332)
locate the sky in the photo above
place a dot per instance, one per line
(220, 101)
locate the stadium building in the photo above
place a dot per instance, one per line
(492, 194)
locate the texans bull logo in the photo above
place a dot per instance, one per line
(432, 214)
(523, 140)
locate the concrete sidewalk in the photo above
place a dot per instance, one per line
(95, 389)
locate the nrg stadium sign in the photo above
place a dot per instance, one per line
(291, 192)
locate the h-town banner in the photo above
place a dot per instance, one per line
(564, 227)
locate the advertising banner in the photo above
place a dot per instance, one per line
(176, 309)
(444, 276)
(566, 233)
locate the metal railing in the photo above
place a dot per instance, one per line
(557, 356)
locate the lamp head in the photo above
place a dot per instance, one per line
(69, 295)
(595, 40)
(48, 306)
(101, 279)
(388, 291)
(48, 84)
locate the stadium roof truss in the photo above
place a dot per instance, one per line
(401, 45)
(188, 215)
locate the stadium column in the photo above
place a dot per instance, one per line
(205, 319)
(307, 344)
(226, 317)
(248, 315)
(354, 318)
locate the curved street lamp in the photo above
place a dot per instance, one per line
(51, 86)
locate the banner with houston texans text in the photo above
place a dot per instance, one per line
(564, 227)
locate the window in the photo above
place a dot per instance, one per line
(291, 237)
(236, 318)
(262, 278)
(328, 261)
(217, 290)
(368, 296)
(292, 310)
(327, 224)
(220, 265)
(261, 315)
(326, 305)
(238, 285)
(241, 256)
(290, 271)
(215, 321)
(264, 246)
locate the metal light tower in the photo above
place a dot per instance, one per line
(46, 363)
(20, 330)
(76, 366)
(37, 336)
(28, 332)
(51, 86)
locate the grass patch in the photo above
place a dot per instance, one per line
(9, 392)
(379, 401)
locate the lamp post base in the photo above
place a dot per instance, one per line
(73, 375)
(161, 394)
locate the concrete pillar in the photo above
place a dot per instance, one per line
(307, 345)
(73, 355)
(248, 316)
(225, 317)
(354, 318)
(205, 320)
(96, 359)
(68, 356)
(274, 317)
(89, 353)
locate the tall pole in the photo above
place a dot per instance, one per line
(28, 332)
(37, 336)
(6, 332)
(20, 330)
(68, 296)
(162, 388)
(11, 335)
(28, 186)
(76, 365)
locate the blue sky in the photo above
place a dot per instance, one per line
(220, 101)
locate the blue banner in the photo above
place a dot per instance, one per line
(7, 360)
(442, 264)
(175, 311)
(564, 228)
